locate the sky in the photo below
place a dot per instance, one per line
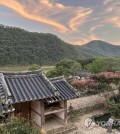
(75, 21)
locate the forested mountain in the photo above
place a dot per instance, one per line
(18, 46)
(101, 48)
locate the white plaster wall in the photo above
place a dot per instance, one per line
(62, 104)
(60, 115)
(36, 118)
(35, 105)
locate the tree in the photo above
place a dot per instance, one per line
(97, 65)
(85, 62)
(98, 82)
(65, 64)
(54, 73)
(66, 68)
(75, 68)
(104, 65)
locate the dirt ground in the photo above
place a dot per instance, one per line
(81, 128)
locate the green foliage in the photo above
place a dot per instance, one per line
(20, 47)
(75, 68)
(34, 67)
(65, 64)
(104, 65)
(54, 73)
(17, 126)
(65, 67)
(96, 66)
(85, 62)
(113, 105)
(99, 48)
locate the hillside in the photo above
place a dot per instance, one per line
(19, 47)
(101, 48)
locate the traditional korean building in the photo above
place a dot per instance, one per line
(33, 96)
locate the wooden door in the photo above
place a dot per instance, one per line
(23, 110)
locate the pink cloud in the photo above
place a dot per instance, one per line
(47, 12)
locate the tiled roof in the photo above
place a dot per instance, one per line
(66, 91)
(29, 87)
(5, 97)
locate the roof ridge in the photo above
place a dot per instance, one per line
(21, 72)
(57, 78)
(54, 90)
(4, 85)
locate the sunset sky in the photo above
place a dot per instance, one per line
(74, 21)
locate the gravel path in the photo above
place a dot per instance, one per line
(85, 102)
(94, 129)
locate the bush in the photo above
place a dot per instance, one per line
(34, 67)
(17, 126)
(113, 105)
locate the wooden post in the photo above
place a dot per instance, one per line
(42, 114)
(30, 112)
(65, 112)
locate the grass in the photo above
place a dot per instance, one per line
(24, 68)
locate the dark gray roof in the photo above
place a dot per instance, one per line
(5, 97)
(66, 91)
(29, 87)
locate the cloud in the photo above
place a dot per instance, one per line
(63, 18)
(79, 19)
(109, 9)
(21, 9)
(85, 40)
(113, 11)
(80, 42)
(116, 42)
(105, 2)
(115, 21)
(95, 27)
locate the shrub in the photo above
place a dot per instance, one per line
(17, 126)
(113, 105)
(34, 67)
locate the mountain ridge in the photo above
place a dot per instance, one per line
(18, 46)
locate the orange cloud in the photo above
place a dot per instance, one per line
(85, 40)
(116, 42)
(19, 8)
(95, 27)
(115, 21)
(50, 13)
(80, 42)
(79, 19)
(110, 9)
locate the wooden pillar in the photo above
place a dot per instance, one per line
(30, 112)
(42, 114)
(65, 112)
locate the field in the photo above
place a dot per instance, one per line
(24, 68)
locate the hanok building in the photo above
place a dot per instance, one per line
(33, 96)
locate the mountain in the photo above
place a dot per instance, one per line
(18, 46)
(101, 48)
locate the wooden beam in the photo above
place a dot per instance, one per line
(54, 111)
